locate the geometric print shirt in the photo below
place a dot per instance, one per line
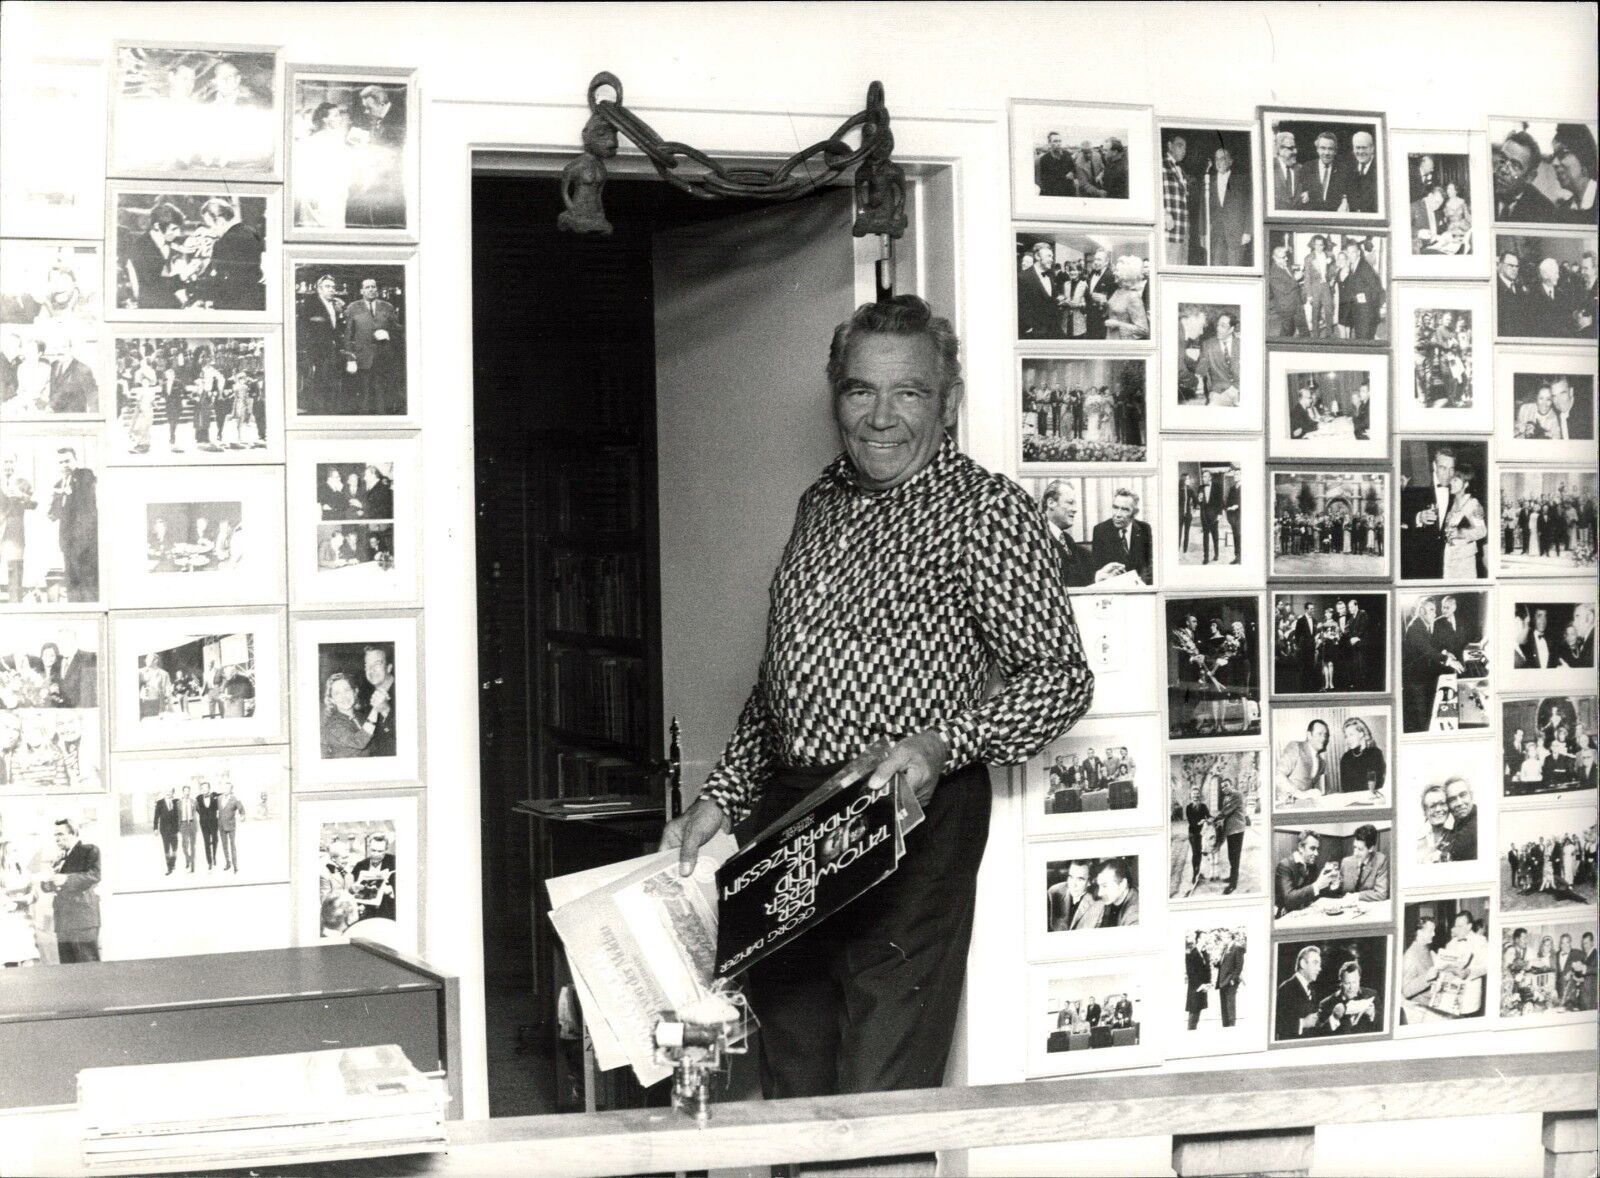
(889, 612)
(1175, 203)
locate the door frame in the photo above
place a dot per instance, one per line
(456, 136)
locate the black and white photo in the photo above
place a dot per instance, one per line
(1547, 858)
(1216, 965)
(352, 519)
(1330, 524)
(1442, 179)
(352, 154)
(1210, 216)
(1082, 160)
(1215, 818)
(1211, 354)
(197, 396)
(50, 331)
(357, 695)
(1550, 744)
(357, 869)
(1327, 405)
(350, 335)
(1092, 1015)
(1443, 524)
(49, 515)
(1332, 873)
(1327, 285)
(1101, 529)
(1546, 635)
(1099, 776)
(1544, 171)
(194, 110)
(192, 252)
(1332, 757)
(1547, 522)
(1214, 686)
(1215, 490)
(49, 192)
(1544, 405)
(1330, 986)
(1445, 965)
(1446, 806)
(1442, 358)
(1085, 285)
(1445, 661)
(1092, 895)
(1548, 971)
(1326, 164)
(50, 718)
(55, 854)
(1080, 411)
(1545, 287)
(1330, 642)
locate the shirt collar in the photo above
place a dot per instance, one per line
(842, 473)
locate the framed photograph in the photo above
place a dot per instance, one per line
(1084, 412)
(1443, 178)
(49, 508)
(1085, 895)
(1214, 677)
(1550, 744)
(1215, 819)
(1544, 288)
(183, 923)
(1445, 661)
(1330, 986)
(1445, 966)
(1443, 359)
(1330, 524)
(197, 679)
(191, 252)
(1099, 522)
(1084, 284)
(207, 820)
(1335, 757)
(1547, 973)
(1327, 405)
(359, 869)
(1211, 354)
(1120, 636)
(353, 154)
(1446, 806)
(1082, 160)
(186, 110)
(1547, 521)
(1332, 873)
(1544, 171)
(1099, 776)
(357, 698)
(1327, 284)
(1217, 486)
(1545, 405)
(348, 335)
(1444, 518)
(1327, 164)
(353, 519)
(49, 192)
(52, 734)
(1547, 860)
(1330, 642)
(190, 536)
(36, 831)
(1546, 634)
(52, 355)
(1091, 1015)
(1216, 967)
(1210, 197)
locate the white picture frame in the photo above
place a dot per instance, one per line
(49, 192)
(1208, 766)
(1133, 975)
(32, 467)
(1532, 899)
(1512, 1004)
(1417, 552)
(1412, 306)
(1057, 318)
(1321, 314)
(1463, 701)
(1239, 712)
(1221, 459)
(1188, 302)
(1361, 639)
(1131, 800)
(1092, 501)
(1089, 435)
(1044, 857)
(1307, 124)
(398, 815)
(1539, 718)
(1372, 948)
(1532, 317)
(1340, 800)
(29, 823)
(1291, 370)
(1512, 485)
(392, 462)
(1453, 246)
(202, 920)
(1427, 858)
(1518, 648)
(1119, 633)
(52, 333)
(1340, 489)
(1519, 373)
(1249, 998)
(1429, 1013)
(1202, 138)
(52, 722)
(1032, 120)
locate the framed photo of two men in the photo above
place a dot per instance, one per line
(1084, 160)
(353, 154)
(1326, 164)
(1209, 219)
(1442, 178)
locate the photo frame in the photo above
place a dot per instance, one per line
(1532, 425)
(1069, 283)
(1211, 365)
(52, 725)
(1108, 178)
(1443, 359)
(1440, 847)
(1546, 882)
(1217, 486)
(48, 192)
(1542, 292)
(1060, 924)
(1215, 687)
(1120, 636)
(248, 707)
(361, 182)
(1331, 642)
(1362, 891)
(192, 109)
(1447, 673)
(1311, 1011)
(1327, 405)
(1216, 970)
(1533, 989)
(50, 478)
(376, 558)
(1083, 413)
(1309, 302)
(217, 260)
(377, 739)
(1441, 544)
(1447, 964)
(1331, 524)
(1216, 814)
(192, 536)
(52, 338)
(30, 825)
(1441, 180)
(1100, 525)
(1339, 164)
(354, 364)
(1528, 176)
(1218, 230)
(1350, 777)
(1550, 746)
(1557, 545)
(1546, 635)
(335, 896)
(1129, 1041)
(1065, 792)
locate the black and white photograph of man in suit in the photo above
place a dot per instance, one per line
(49, 516)
(1444, 661)
(1336, 164)
(1551, 743)
(1545, 288)
(1547, 522)
(49, 330)
(1544, 415)
(1330, 523)
(195, 111)
(194, 254)
(1330, 987)
(1330, 642)
(1208, 197)
(1326, 284)
(1091, 1015)
(1443, 524)
(1087, 285)
(1213, 666)
(1550, 636)
(1100, 528)
(1211, 493)
(1544, 171)
(350, 339)
(351, 154)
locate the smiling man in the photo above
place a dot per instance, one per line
(911, 575)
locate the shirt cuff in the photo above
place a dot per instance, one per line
(962, 741)
(732, 797)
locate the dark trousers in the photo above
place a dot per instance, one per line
(1235, 853)
(1210, 545)
(169, 845)
(1185, 523)
(208, 840)
(1229, 995)
(75, 951)
(1233, 526)
(867, 1000)
(1194, 854)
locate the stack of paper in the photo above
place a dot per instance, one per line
(260, 1110)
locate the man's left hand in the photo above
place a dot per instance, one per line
(923, 758)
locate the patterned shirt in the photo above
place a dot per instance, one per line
(889, 610)
(1175, 201)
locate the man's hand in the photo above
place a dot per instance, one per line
(922, 756)
(1115, 569)
(693, 829)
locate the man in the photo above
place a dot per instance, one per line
(376, 197)
(1285, 301)
(153, 262)
(1196, 814)
(1123, 540)
(73, 388)
(320, 352)
(372, 339)
(1422, 180)
(1323, 184)
(1510, 296)
(1573, 418)
(1546, 309)
(155, 688)
(165, 823)
(1038, 296)
(1352, 1009)
(1423, 659)
(1091, 772)
(1538, 649)
(1119, 899)
(1364, 873)
(74, 878)
(1423, 512)
(1361, 295)
(1417, 971)
(1302, 424)
(1298, 880)
(1447, 633)
(1102, 284)
(1466, 956)
(1054, 172)
(1296, 1015)
(77, 515)
(1286, 155)
(377, 494)
(205, 807)
(1219, 363)
(234, 281)
(1363, 192)
(1234, 510)
(1211, 509)
(1188, 501)
(1425, 223)
(1197, 981)
(1114, 178)
(1230, 972)
(379, 700)
(1175, 200)
(80, 680)
(188, 827)
(988, 582)
(1229, 214)
(372, 880)
(1361, 411)
(1078, 565)
(1463, 839)
(1516, 162)
(1191, 330)
(1232, 822)
(1070, 905)
(1586, 296)
(1302, 769)
(228, 815)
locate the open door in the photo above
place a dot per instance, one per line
(745, 307)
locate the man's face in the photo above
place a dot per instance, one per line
(1587, 267)
(1122, 510)
(1351, 983)
(1287, 152)
(377, 665)
(227, 80)
(1194, 323)
(1359, 850)
(1425, 166)
(1521, 940)
(1444, 467)
(1510, 268)
(1224, 160)
(369, 288)
(1064, 511)
(1352, 255)
(1459, 795)
(1109, 888)
(1053, 143)
(1448, 605)
(1327, 148)
(1541, 621)
(1361, 145)
(374, 104)
(325, 289)
(1100, 260)
(1318, 736)
(1511, 168)
(1424, 933)
(1311, 965)
(377, 848)
(64, 838)
(1177, 149)
(1280, 256)
(1433, 199)
(1309, 848)
(890, 409)
(1549, 271)
(1224, 326)
(1077, 880)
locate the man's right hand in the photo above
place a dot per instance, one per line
(693, 829)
